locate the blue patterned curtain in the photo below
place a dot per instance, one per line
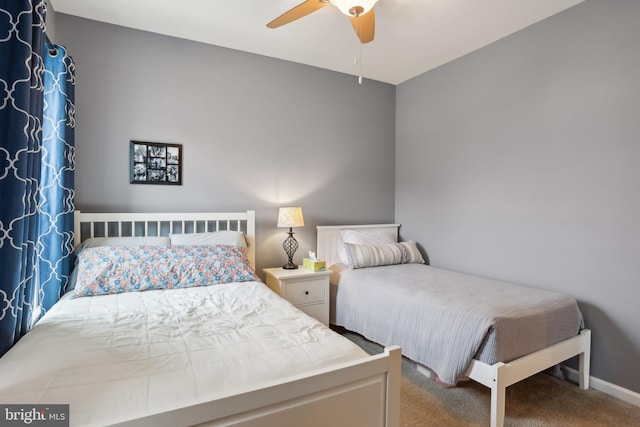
(22, 25)
(56, 181)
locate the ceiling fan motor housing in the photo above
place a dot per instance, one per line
(356, 10)
(354, 7)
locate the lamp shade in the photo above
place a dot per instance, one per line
(290, 217)
(345, 6)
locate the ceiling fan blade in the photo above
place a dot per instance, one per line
(301, 10)
(364, 26)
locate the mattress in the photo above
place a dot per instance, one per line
(112, 357)
(444, 319)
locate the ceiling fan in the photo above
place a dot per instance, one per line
(360, 12)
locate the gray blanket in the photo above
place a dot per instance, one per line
(443, 319)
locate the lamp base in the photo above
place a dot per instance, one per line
(290, 246)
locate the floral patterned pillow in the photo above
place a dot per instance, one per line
(111, 270)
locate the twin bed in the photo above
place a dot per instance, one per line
(454, 326)
(206, 343)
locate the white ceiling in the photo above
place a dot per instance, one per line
(412, 36)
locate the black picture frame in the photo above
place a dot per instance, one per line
(155, 163)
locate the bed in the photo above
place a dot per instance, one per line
(230, 354)
(454, 326)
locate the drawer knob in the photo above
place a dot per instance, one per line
(306, 292)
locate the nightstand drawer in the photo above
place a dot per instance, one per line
(306, 292)
(317, 311)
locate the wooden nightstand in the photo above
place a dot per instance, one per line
(307, 290)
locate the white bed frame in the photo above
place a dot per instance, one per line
(361, 393)
(499, 375)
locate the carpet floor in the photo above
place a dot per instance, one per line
(541, 400)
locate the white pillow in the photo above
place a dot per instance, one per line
(95, 242)
(226, 237)
(368, 237)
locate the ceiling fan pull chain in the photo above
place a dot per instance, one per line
(359, 58)
(360, 64)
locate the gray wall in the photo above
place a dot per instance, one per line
(520, 162)
(257, 133)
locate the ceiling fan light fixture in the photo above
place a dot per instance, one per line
(360, 13)
(354, 7)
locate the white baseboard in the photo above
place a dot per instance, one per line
(606, 387)
(616, 391)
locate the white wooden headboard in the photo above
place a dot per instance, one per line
(330, 239)
(162, 224)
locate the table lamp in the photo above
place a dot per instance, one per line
(290, 217)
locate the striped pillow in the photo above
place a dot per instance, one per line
(362, 256)
(411, 254)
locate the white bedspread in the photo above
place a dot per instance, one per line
(116, 355)
(443, 319)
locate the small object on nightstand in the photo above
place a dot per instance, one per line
(313, 264)
(307, 290)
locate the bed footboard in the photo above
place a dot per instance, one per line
(363, 393)
(499, 376)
